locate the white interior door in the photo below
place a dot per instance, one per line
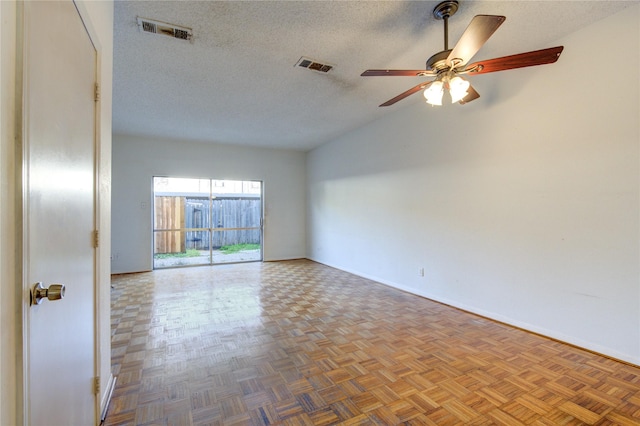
(59, 213)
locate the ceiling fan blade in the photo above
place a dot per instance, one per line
(396, 73)
(528, 59)
(403, 95)
(477, 33)
(471, 96)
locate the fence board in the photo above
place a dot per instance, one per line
(169, 214)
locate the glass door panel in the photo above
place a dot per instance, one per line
(173, 248)
(236, 245)
(203, 221)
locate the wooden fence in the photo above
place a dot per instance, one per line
(169, 214)
(204, 227)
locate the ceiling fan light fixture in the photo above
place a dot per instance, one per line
(433, 93)
(458, 88)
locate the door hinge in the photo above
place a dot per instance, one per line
(97, 93)
(96, 238)
(96, 385)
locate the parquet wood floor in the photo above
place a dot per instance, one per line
(299, 343)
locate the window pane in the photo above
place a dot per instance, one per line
(172, 197)
(236, 246)
(173, 248)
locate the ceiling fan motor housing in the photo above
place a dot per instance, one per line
(438, 62)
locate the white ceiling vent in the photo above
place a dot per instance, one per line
(314, 65)
(162, 28)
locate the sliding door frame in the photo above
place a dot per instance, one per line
(211, 229)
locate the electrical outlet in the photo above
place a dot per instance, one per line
(421, 272)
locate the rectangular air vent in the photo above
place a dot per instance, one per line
(313, 65)
(162, 28)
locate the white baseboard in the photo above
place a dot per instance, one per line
(552, 334)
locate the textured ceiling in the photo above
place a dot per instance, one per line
(236, 83)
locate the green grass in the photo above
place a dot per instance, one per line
(235, 248)
(230, 249)
(188, 253)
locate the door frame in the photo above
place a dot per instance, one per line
(22, 362)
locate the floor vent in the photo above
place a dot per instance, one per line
(313, 65)
(163, 28)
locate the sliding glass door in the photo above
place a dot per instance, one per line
(206, 221)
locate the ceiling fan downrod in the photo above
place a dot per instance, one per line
(444, 11)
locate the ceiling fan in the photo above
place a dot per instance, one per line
(448, 65)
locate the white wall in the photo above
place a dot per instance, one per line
(522, 206)
(137, 159)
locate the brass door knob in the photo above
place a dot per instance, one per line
(54, 292)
